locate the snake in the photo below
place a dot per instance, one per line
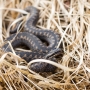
(32, 37)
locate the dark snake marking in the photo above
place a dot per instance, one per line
(32, 38)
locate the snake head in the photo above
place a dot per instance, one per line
(54, 53)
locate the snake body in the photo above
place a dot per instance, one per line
(32, 37)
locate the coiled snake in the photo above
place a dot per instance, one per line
(32, 37)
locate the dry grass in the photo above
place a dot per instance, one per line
(71, 19)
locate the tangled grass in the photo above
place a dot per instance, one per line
(71, 19)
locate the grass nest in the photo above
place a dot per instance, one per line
(71, 19)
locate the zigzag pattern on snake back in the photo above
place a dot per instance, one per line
(32, 37)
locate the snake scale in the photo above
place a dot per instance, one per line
(32, 37)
